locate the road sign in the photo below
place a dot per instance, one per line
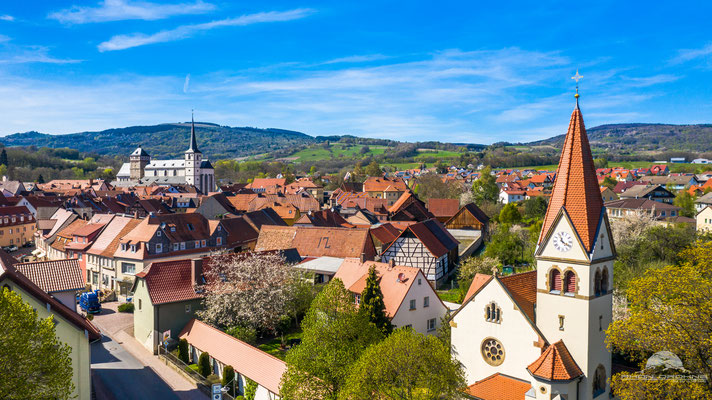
(217, 392)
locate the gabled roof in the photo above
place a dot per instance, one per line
(443, 207)
(247, 360)
(169, 281)
(479, 281)
(324, 218)
(522, 288)
(384, 183)
(385, 233)
(433, 235)
(8, 271)
(317, 241)
(576, 185)
(499, 387)
(474, 211)
(54, 276)
(555, 364)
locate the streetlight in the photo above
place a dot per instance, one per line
(224, 389)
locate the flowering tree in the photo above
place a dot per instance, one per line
(254, 289)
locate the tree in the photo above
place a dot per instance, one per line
(183, 351)
(609, 182)
(228, 379)
(250, 389)
(247, 334)
(686, 201)
(505, 245)
(334, 336)
(535, 207)
(510, 214)
(249, 289)
(373, 169)
(432, 186)
(3, 170)
(600, 162)
(670, 309)
(485, 189)
(3, 157)
(40, 179)
(204, 364)
(33, 362)
(405, 366)
(372, 304)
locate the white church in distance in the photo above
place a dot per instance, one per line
(193, 169)
(541, 334)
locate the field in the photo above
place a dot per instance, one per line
(335, 150)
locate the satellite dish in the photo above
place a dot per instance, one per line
(401, 277)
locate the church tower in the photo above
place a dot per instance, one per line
(574, 256)
(193, 160)
(138, 161)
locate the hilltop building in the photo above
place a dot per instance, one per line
(541, 334)
(193, 169)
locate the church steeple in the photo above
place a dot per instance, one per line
(576, 188)
(193, 143)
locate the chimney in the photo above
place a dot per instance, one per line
(363, 258)
(391, 263)
(196, 271)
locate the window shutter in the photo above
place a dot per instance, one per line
(555, 281)
(570, 282)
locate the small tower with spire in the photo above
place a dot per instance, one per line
(193, 160)
(138, 161)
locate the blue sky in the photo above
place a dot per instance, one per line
(459, 71)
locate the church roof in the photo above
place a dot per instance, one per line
(576, 186)
(555, 364)
(522, 288)
(499, 387)
(193, 143)
(139, 152)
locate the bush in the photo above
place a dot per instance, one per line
(183, 351)
(204, 364)
(250, 389)
(126, 307)
(228, 379)
(244, 333)
(212, 379)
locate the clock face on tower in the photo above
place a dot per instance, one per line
(563, 241)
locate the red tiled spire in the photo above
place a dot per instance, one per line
(576, 187)
(555, 364)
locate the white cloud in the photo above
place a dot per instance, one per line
(31, 54)
(121, 42)
(685, 55)
(4, 38)
(120, 10)
(186, 83)
(6, 17)
(356, 59)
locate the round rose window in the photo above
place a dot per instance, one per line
(493, 351)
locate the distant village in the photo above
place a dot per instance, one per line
(148, 237)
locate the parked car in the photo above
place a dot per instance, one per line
(28, 244)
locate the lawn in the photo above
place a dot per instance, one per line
(274, 346)
(452, 295)
(335, 150)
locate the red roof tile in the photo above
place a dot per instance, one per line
(576, 186)
(443, 207)
(169, 281)
(555, 364)
(499, 387)
(54, 276)
(522, 287)
(477, 283)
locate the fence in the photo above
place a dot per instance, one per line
(183, 368)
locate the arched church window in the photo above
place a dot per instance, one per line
(597, 283)
(599, 381)
(555, 281)
(569, 282)
(492, 351)
(493, 313)
(604, 281)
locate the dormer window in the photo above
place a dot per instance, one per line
(190, 227)
(124, 246)
(133, 248)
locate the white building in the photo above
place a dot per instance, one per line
(542, 333)
(191, 170)
(507, 196)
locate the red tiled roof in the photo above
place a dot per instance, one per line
(555, 364)
(499, 387)
(385, 233)
(576, 186)
(434, 236)
(169, 281)
(477, 283)
(247, 360)
(443, 207)
(382, 184)
(522, 287)
(54, 276)
(317, 241)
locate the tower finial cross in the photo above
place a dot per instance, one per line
(577, 78)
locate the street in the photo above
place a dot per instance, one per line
(123, 369)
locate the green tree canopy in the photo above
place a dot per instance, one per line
(535, 207)
(505, 245)
(485, 188)
(685, 200)
(405, 366)
(373, 169)
(372, 304)
(609, 182)
(334, 335)
(33, 362)
(670, 309)
(510, 214)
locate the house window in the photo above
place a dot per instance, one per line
(599, 381)
(412, 304)
(139, 304)
(561, 322)
(202, 243)
(357, 299)
(555, 281)
(219, 228)
(197, 244)
(419, 281)
(128, 268)
(173, 228)
(175, 246)
(159, 247)
(431, 324)
(182, 245)
(158, 233)
(492, 351)
(219, 241)
(187, 308)
(569, 283)
(426, 302)
(493, 313)
(600, 323)
(604, 281)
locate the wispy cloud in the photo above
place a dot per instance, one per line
(4, 38)
(122, 42)
(640, 82)
(31, 54)
(357, 59)
(6, 17)
(120, 10)
(686, 55)
(186, 83)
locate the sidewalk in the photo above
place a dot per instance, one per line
(119, 326)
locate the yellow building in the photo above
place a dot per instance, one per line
(71, 328)
(17, 226)
(704, 220)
